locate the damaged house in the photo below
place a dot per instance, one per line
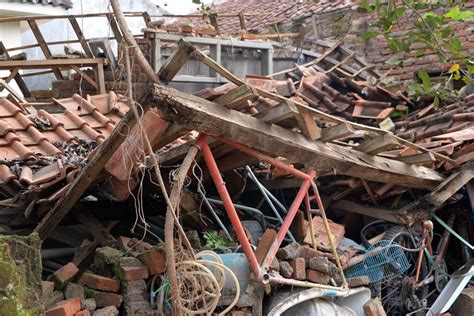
(250, 158)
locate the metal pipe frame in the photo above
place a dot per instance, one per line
(260, 272)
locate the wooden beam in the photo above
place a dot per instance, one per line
(86, 77)
(176, 61)
(114, 27)
(373, 211)
(90, 223)
(308, 125)
(44, 47)
(338, 131)
(87, 175)
(80, 36)
(195, 113)
(19, 80)
(417, 158)
(236, 97)
(49, 63)
(278, 113)
(378, 144)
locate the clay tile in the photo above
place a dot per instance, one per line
(36, 134)
(24, 120)
(11, 137)
(76, 119)
(5, 128)
(86, 105)
(21, 149)
(6, 174)
(54, 121)
(26, 176)
(92, 133)
(12, 108)
(49, 148)
(64, 134)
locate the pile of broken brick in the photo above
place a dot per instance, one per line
(116, 280)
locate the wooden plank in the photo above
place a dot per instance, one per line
(101, 78)
(44, 47)
(87, 175)
(236, 97)
(176, 61)
(86, 77)
(80, 36)
(12, 91)
(197, 114)
(114, 27)
(417, 159)
(378, 144)
(49, 63)
(91, 224)
(18, 79)
(278, 113)
(91, 247)
(373, 211)
(308, 125)
(338, 131)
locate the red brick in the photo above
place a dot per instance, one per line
(104, 299)
(155, 260)
(317, 277)
(374, 308)
(307, 253)
(47, 288)
(65, 308)
(298, 227)
(299, 268)
(64, 274)
(123, 242)
(99, 282)
(84, 312)
(134, 273)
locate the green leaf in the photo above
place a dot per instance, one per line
(197, 1)
(368, 35)
(367, 7)
(393, 61)
(425, 79)
(456, 14)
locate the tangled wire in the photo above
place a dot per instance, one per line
(201, 282)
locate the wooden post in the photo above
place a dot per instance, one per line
(243, 26)
(18, 78)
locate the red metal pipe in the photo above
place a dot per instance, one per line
(275, 162)
(288, 220)
(228, 204)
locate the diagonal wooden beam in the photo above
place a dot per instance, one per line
(197, 114)
(42, 44)
(18, 78)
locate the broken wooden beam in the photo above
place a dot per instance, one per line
(197, 114)
(378, 144)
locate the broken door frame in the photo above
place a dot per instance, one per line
(260, 272)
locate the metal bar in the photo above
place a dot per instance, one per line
(213, 213)
(269, 202)
(310, 220)
(288, 219)
(275, 162)
(322, 211)
(229, 206)
(247, 209)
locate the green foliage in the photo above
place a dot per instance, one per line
(215, 240)
(432, 33)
